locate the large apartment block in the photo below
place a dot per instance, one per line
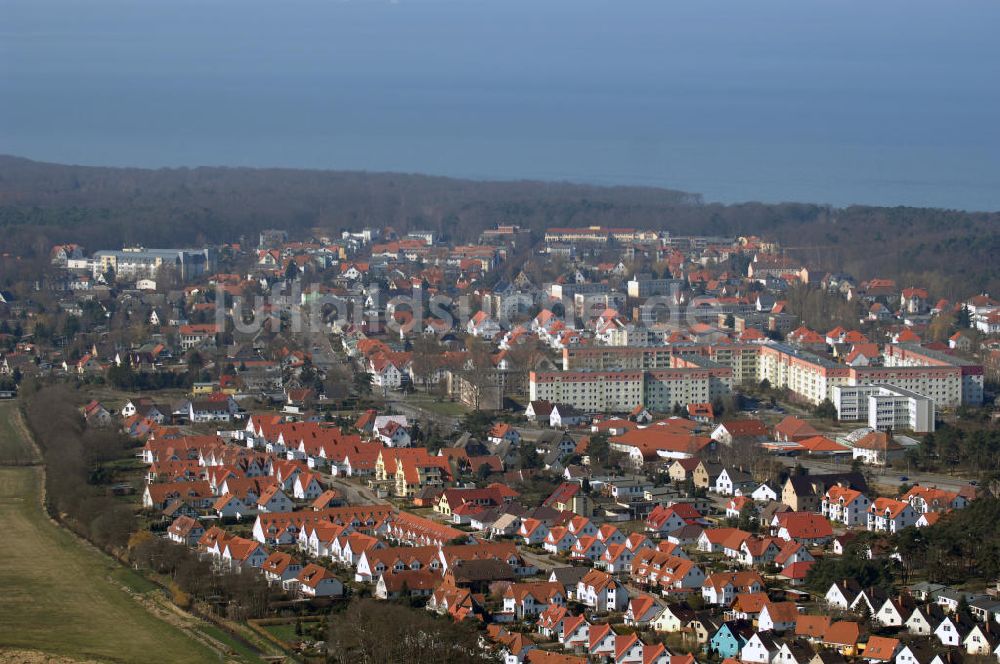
(884, 407)
(599, 235)
(970, 374)
(947, 381)
(740, 359)
(623, 390)
(141, 263)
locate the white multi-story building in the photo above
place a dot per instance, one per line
(951, 381)
(945, 380)
(884, 407)
(618, 391)
(139, 263)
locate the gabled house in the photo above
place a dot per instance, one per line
(804, 527)
(575, 633)
(273, 499)
(795, 651)
(846, 506)
(316, 581)
(842, 594)
(843, 636)
(729, 480)
(280, 567)
(307, 487)
(755, 551)
(673, 618)
(740, 431)
(811, 627)
(721, 588)
(881, 649)
(239, 553)
(894, 611)
(924, 619)
(760, 648)
(559, 540)
(602, 642)
(185, 530)
(552, 620)
(729, 639)
(889, 515)
(602, 592)
(877, 448)
(953, 629)
(642, 610)
(664, 520)
(778, 617)
(523, 600)
(533, 531)
(982, 639)
(587, 548)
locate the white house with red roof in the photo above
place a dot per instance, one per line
(385, 374)
(588, 548)
(721, 588)
(575, 632)
(602, 642)
(482, 325)
(807, 528)
(273, 499)
(503, 432)
(615, 559)
(926, 499)
(393, 434)
(732, 431)
(559, 540)
(642, 609)
(230, 506)
(280, 567)
(523, 600)
(664, 520)
(239, 552)
(845, 505)
(888, 515)
(533, 531)
(307, 487)
(602, 592)
(185, 530)
(316, 581)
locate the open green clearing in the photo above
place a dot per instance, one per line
(58, 597)
(15, 449)
(429, 403)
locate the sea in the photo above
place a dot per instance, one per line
(886, 102)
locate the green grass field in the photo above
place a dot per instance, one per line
(429, 403)
(14, 447)
(57, 594)
(286, 631)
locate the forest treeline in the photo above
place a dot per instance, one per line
(79, 466)
(951, 252)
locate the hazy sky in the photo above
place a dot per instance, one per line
(893, 102)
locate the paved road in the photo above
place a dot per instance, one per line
(888, 477)
(542, 562)
(354, 493)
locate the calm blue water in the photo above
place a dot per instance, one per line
(838, 101)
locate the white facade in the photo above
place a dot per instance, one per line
(884, 407)
(621, 391)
